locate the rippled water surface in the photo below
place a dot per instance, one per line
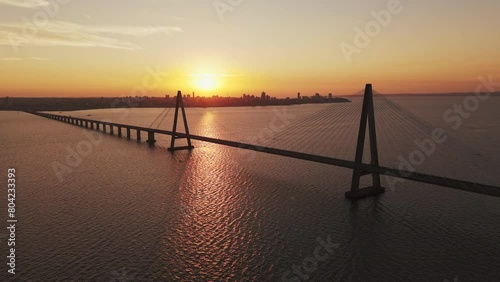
(125, 211)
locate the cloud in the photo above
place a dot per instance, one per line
(136, 30)
(38, 58)
(61, 33)
(21, 59)
(30, 4)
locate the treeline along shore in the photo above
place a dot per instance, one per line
(74, 104)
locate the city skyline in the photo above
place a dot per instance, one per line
(152, 48)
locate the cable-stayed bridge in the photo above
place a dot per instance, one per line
(353, 124)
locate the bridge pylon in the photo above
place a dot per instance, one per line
(367, 119)
(180, 104)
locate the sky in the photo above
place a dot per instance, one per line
(77, 48)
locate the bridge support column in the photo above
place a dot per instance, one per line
(111, 129)
(151, 138)
(91, 125)
(128, 133)
(367, 115)
(138, 135)
(119, 131)
(180, 104)
(104, 128)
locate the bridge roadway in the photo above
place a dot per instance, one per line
(366, 168)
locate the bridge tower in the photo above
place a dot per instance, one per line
(367, 116)
(180, 104)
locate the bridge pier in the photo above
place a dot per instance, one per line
(104, 128)
(180, 105)
(91, 125)
(119, 131)
(128, 133)
(367, 114)
(138, 135)
(111, 129)
(151, 138)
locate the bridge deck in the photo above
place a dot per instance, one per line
(391, 172)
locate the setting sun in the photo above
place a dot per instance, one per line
(205, 82)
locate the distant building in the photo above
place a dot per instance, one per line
(298, 95)
(263, 95)
(330, 96)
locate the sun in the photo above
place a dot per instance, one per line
(206, 82)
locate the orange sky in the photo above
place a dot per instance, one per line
(131, 47)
